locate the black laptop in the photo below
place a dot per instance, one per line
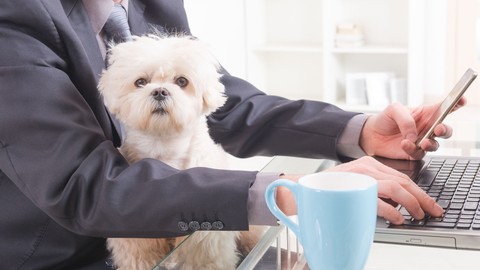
(455, 183)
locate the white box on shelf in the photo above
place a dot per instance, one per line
(398, 90)
(348, 35)
(355, 89)
(378, 88)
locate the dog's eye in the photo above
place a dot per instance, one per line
(140, 82)
(181, 81)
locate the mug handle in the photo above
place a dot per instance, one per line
(272, 205)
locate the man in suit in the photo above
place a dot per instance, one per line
(64, 187)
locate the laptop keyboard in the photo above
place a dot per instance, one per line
(455, 185)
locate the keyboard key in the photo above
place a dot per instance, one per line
(435, 219)
(456, 186)
(463, 225)
(426, 179)
(414, 222)
(456, 206)
(440, 224)
(450, 220)
(444, 197)
(476, 226)
(470, 206)
(404, 211)
(443, 203)
(460, 197)
(450, 186)
(465, 220)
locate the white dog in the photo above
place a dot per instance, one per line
(162, 89)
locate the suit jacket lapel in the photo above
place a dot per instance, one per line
(77, 15)
(138, 26)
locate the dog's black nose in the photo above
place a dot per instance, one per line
(160, 93)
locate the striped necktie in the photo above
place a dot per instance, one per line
(116, 28)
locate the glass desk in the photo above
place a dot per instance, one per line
(278, 248)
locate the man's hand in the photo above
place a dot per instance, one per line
(392, 185)
(393, 132)
(395, 186)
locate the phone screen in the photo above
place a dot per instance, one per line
(447, 105)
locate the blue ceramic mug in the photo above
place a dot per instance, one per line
(336, 217)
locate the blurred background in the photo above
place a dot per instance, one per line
(358, 54)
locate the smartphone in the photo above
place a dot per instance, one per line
(447, 105)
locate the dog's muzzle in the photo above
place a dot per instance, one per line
(160, 93)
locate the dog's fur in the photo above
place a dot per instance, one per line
(162, 89)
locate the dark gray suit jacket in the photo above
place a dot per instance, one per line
(64, 187)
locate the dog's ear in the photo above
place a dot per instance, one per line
(104, 85)
(213, 98)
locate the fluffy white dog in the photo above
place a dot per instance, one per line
(162, 89)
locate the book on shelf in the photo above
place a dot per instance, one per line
(349, 35)
(376, 89)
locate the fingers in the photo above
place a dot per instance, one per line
(286, 201)
(430, 145)
(390, 213)
(414, 207)
(443, 131)
(409, 195)
(403, 118)
(370, 166)
(460, 104)
(395, 186)
(393, 190)
(285, 198)
(412, 150)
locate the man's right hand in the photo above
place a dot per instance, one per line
(392, 185)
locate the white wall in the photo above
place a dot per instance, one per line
(450, 39)
(436, 26)
(463, 44)
(221, 24)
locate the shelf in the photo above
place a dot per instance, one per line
(287, 49)
(360, 108)
(293, 54)
(368, 49)
(371, 49)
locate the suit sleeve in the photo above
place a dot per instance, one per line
(253, 123)
(53, 147)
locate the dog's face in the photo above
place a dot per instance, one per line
(160, 85)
